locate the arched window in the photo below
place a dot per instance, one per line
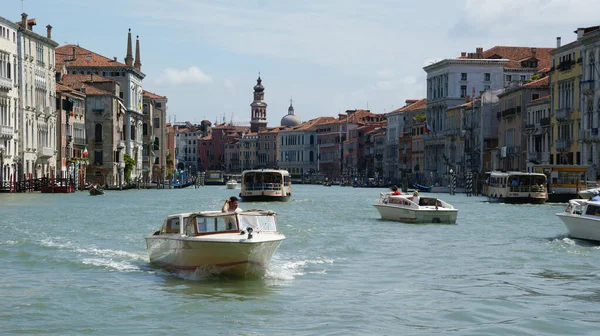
(98, 133)
(156, 143)
(8, 71)
(311, 156)
(133, 132)
(145, 129)
(145, 151)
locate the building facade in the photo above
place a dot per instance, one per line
(9, 102)
(37, 110)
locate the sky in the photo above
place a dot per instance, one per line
(329, 56)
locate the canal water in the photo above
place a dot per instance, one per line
(75, 264)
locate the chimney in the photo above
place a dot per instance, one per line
(115, 58)
(533, 52)
(137, 64)
(558, 42)
(479, 52)
(49, 32)
(580, 32)
(129, 56)
(74, 55)
(24, 20)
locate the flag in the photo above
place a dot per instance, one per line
(85, 152)
(428, 127)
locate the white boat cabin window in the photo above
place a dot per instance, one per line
(172, 225)
(257, 223)
(399, 200)
(203, 225)
(592, 210)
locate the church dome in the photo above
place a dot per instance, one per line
(290, 119)
(259, 87)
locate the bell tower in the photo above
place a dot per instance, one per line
(258, 108)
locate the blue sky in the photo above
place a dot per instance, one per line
(328, 55)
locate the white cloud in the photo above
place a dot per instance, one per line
(191, 75)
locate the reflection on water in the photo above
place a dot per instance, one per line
(190, 283)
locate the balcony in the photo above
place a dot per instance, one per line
(529, 127)
(452, 131)
(563, 144)
(79, 141)
(6, 132)
(45, 152)
(5, 84)
(511, 111)
(565, 65)
(545, 122)
(587, 86)
(563, 113)
(121, 144)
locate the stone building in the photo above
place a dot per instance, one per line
(9, 102)
(37, 89)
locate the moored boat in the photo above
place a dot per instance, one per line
(95, 191)
(406, 208)
(582, 219)
(266, 185)
(516, 187)
(218, 243)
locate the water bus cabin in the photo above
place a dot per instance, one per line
(564, 181)
(214, 177)
(516, 187)
(266, 185)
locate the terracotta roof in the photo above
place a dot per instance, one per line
(76, 82)
(83, 57)
(152, 95)
(70, 90)
(545, 81)
(417, 105)
(517, 54)
(540, 99)
(30, 22)
(207, 137)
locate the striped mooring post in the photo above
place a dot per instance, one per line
(469, 186)
(452, 183)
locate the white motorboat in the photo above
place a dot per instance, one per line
(266, 185)
(586, 194)
(402, 208)
(228, 243)
(232, 184)
(582, 218)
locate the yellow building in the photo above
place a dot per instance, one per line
(565, 122)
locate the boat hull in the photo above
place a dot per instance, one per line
(235, 257)
(399, 214)
(581, 227)
(517, 200)
(231, 185)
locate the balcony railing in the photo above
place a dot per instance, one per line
(535, 156)
(530, 126)
(563, 113)
(545, 121)
(6, 132)
(563, 143)
(565, 65)
(587, 86)
(45, 152)
(511, 111)
(5, 83)
(452, 131)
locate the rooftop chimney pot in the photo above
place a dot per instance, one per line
(49, 32)
(558, 42)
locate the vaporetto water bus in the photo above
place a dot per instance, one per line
(516, 187)
(266, 185)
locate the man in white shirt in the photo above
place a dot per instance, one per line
(231, 205)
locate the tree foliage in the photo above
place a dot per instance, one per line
(129, 164)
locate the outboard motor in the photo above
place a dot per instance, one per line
(250, 233)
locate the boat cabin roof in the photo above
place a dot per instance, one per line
(515, 173)
(258, 171)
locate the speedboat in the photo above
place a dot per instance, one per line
(216, 243)
(232, 184)
(582, 218)
(402, 208)
(587, 193)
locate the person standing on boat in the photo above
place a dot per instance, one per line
(395, 191)
(596, 197)
(231, 205)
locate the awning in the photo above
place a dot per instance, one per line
(122, 107)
